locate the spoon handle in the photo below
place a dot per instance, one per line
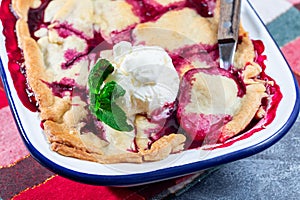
(229, 20)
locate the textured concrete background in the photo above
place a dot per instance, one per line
(271, 174)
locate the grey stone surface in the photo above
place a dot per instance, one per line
(271, 174)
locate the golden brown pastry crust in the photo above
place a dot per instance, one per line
(249, 106)
(163, 147)
(65, 139)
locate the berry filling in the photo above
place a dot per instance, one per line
(149, 10)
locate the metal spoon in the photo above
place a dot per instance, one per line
(228, 31)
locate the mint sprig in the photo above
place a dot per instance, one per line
(98, 74)
(103, 98)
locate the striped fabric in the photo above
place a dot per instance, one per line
(21, 177)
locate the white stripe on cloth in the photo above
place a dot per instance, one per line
(269, 10)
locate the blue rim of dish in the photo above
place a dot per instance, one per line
(162, 174)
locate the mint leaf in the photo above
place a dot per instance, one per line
(102, 100)
(112, 90)
(98, 74)
(115, 117)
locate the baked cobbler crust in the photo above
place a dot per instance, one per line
(59, 117)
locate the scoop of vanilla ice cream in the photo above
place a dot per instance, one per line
(148, 76)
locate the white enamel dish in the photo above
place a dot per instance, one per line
(187, 162)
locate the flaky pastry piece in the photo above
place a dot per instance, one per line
(250, 103)
(60, 119)
(212, 108)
